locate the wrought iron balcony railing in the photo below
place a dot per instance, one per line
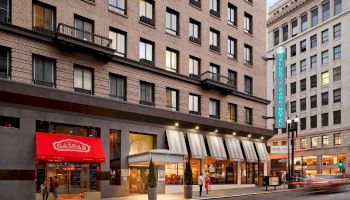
(212, 80)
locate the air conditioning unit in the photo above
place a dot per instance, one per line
(145, 61)
(147, 20)
(195, 40)
(214, 12)
(214, 48)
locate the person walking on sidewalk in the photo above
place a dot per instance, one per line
(207, 181)
(200, 183)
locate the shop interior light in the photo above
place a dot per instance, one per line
(262, 137)
(177, 124)
(234, 133)
(197, 127)
(216, 130)
(249, 135)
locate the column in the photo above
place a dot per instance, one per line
(265, 169)
(239, 173)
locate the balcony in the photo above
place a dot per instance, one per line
(73, 39)
(210, 80)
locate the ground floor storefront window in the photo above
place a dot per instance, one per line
(249, 173)
(138, 180)
(196, 170)
(221, 171)
(174, 174)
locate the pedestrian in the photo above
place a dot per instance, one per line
(51, 184)
(56, 186)
(200, 183)
(44, 190)
(207, 181)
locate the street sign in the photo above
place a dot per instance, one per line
(280, 109)
(279, 149)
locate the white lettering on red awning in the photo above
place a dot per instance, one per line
(71, 145)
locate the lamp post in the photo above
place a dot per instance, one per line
(292, 128)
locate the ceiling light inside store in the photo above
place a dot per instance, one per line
(177, 124)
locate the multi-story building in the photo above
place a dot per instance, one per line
(135, 79)
(315, 35)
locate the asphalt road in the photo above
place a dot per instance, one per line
(297, 195)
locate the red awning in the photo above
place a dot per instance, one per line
(67, 148)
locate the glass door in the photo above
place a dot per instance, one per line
(138, 180)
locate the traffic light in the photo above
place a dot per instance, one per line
(340, 166)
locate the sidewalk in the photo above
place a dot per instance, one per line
(212, 194)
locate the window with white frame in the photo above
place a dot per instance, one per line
(337, 52)
(313, 62)
(248, 23)
(232, 14)
(171, 58)
(337, 31)
(194, 31)
(193, 66)
(314, 17)
(325, 11)
(304, 24)
(303, 66)
(324, 57)
(194, 104)
(146, 9)
(146, 50)
(232, 47)
(118, 6)
(172, 18)
(118, 42)
(325, 37)
(294, 27)
(83, 79)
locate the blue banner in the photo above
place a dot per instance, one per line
(280, 93)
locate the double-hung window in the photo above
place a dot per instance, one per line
(337, 139)
(232, 14)
(324, 97)
(83, 79)
(313, 101)
(194, 67)
(313, 122)
(293, 106)
(325, 78)
(302, 141)
(214, 6)
(325, 11)
(232, 47)
(285, 32)
(337, 117)
(303, 46)
(5, 11)
(248, 54)
(43, 71)
(303, 127)
(146, 93)
(146, 52)
(43, 18)
(146, 11)
(5, 59)
(337, 74)
(325, 37)
(171, 60)
(248, 85)
(313, 41)
(302, 104)
(314, 17)
(232, 78)
(172, 21)
(194, 31)
(232, 112)
(314, 141)
(172, 99)
(117, 87)
(337, 95)
(84, 28)
(337, 30)
(293, 88)
(294, 27)
(293, 69)
(194, 104)
(337, 52)
(304, 24)
(325, 57)
(325, 139)
(214, 108)
(313, 62)
(303, 85)
(248, 115)
(214, 72)
(313, 81)
(118, 42)
(303, 66)
(214, 40)
(337, 7)
(118, 6)
(248, 23)
(293, 50)
(276, 37)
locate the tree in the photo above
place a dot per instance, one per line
(188, 174)
(152, 179)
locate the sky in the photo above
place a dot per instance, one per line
(269, 3)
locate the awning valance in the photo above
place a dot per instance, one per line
(216, 147)
(176, 141)
(197, 145)
(234, 149)
(249, 151)
(262, 152)
(158, 156)
(67, 148)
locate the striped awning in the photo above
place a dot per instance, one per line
(262, 152)
(176, 141)
(216, 147)
(197, 145)
(249, 151)
(234, 149)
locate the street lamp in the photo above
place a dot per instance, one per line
(292, 125)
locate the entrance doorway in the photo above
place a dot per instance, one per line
(138, 180)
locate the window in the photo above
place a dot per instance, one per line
(115, 156)
(118, 42)
(293, 69)
(324, 119)
(248, 115)
(276, 37)
(325, 11)
(248, 23)
(285, 32)
(337, 74)
(325, 78)
(303, 46)
(313, 41)
(5, 9)
(248, 54)
(325, 137)
(314, 141)
(5, 59)
(44, 18)
(304, 23)
(284, 143)
(337, 117)
(313, 101)
(303, 84)
(214, 108)
(232, 112)
(146, 52)
(194, 104)
(314, 17)
(194, 31)
(303, 143)
(325, 37)
(303, 66)
(293, 88)
(337, 52)
(232, 47)
(214, 72)
(313, 81)
(146, 93)
(172, 99)
(118, 6)
(337, 95)
(337, 31)
(193, 67)
(275, 144)
(293, 50)
(294, 27)
(43, 71)
(196, 3)
(172, 21)
(293, 106)
(232, 14)
(232, 78)
(146, 11)
(302, 104)
(83, 80)
(337, 139)
(324, 98)
(313, 62)
(325, 57)
(214, 7)
(85, 28)
(117, 87)
(337, 7)
(302, 123)
(313, 121)
(171, 60)
(214, 40)
(248, 85)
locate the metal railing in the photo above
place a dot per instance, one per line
(218, 78)
(83, 35)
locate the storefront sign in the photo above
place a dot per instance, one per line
(279, 149)
(280, 55)
(71, 145)
(274, 181)
(161, 175)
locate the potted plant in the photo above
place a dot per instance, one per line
(152, 182)
(188, 182)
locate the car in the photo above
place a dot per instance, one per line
(326, 182)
